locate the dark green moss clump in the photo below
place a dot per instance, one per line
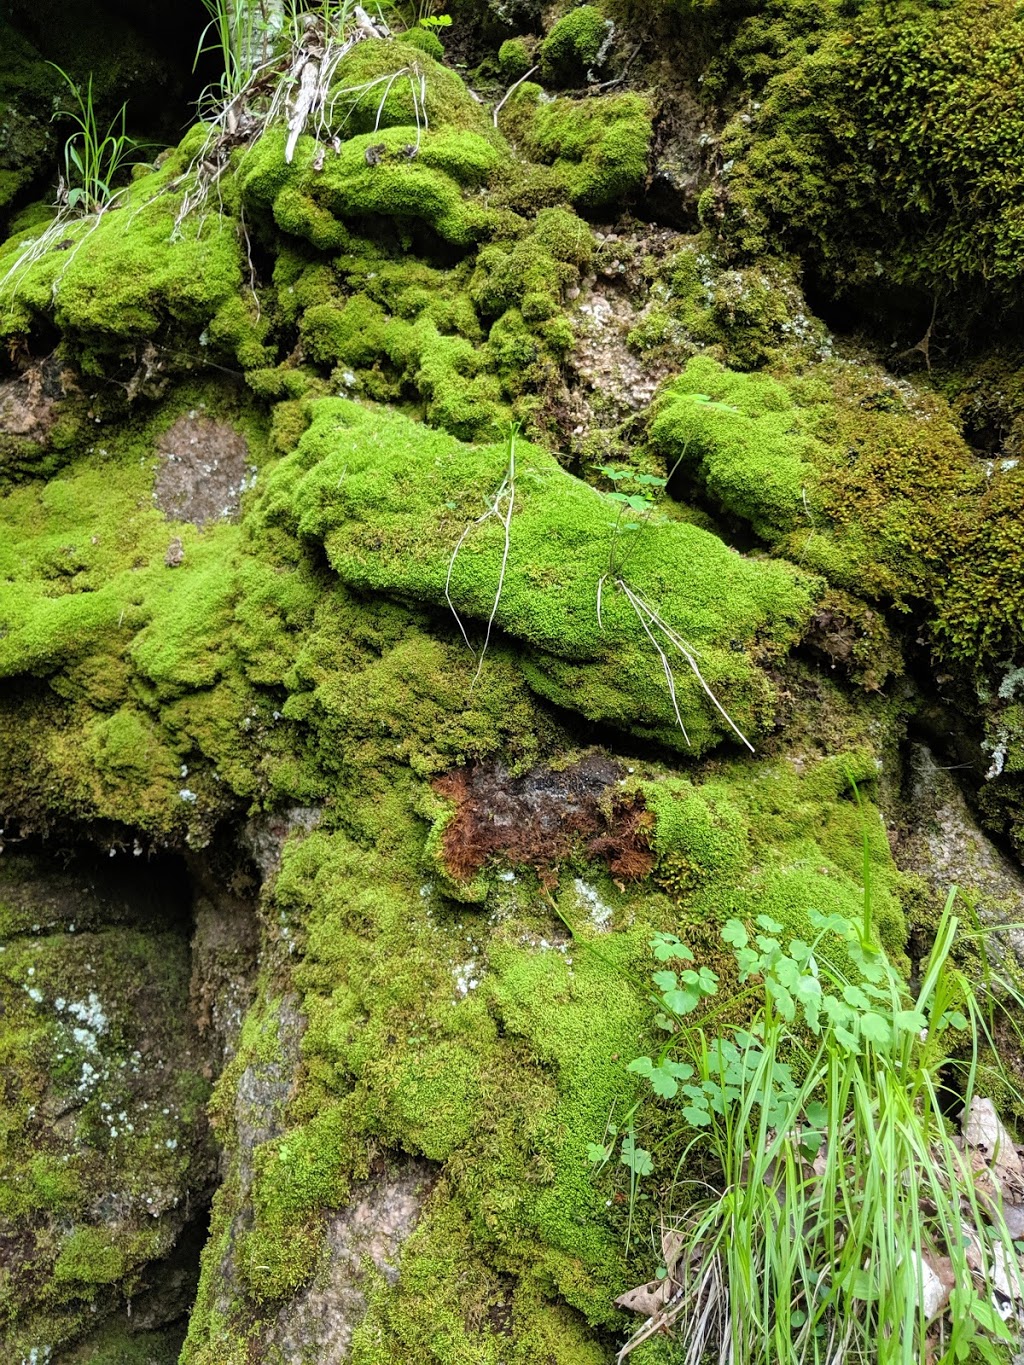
(887, 144)
(574, 45)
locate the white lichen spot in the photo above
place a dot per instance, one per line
(90, 1013)
(599, 914)
(467, 976)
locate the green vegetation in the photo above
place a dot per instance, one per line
(597, 149)
(93, 162)
(437, 590)
(573, 46)
(389, 499)
(885, 143)
(75, 1045)
(833, 1083)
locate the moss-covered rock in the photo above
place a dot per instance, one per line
(392, 502)
(886, 143)
(401, 172)
(597, 149)
(574, 45)
(492, 1044)
(104, 1136)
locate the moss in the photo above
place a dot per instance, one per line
(448, 1306)
(426, 40)
(748, 445)
(116, 1345)
(596, 149)
(488, 1042)
(139, 661)
(78, 1009)
(427, 188)
(353, 485)
(572, 47)
(514, 59)
(778, 841)
(747, 317)
(866, 481)
(353, 334)
(111, 286)
(363, 103)
(867, 148)
(533, 273)
(499, 1067)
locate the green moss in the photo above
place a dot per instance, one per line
(778, 841)
(532, 274)
(867, 147)
(363, 102)
(129, 276)
(355, 484)
(427, 188)
(353, 334)
(90, 1256)
(748, 447)
(514, 59)
(869, 483)
(78, 1008)
(426, 40)
(573, 46)
(132, 668)
(596, 149)
(747, 317)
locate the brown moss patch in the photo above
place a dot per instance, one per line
(545, 817)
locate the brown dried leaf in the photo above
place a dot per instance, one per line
(647, 1299)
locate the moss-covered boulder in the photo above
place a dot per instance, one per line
(105, 1084)
(396, 509)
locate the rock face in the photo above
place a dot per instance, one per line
(106, 1151)
(432, 565)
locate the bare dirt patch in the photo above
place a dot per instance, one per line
(204, 470)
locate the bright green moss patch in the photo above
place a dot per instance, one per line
(866, 481)
(747, 446)
(364, 99)
(493, 1042)
(139, 657)
(127, 275)
(597, 149)
(389, 500)
(375, 173)
(779, 841)
(485, 1049)
(514, 59)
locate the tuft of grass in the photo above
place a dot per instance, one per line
(92, 160)
(841, 1199)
